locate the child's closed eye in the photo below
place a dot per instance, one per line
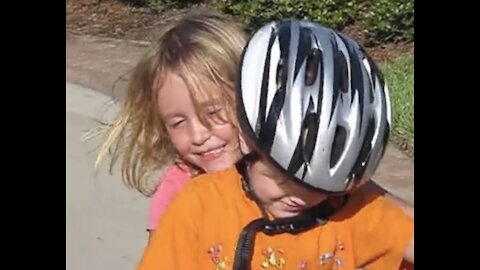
(176, 123)
(213, 111)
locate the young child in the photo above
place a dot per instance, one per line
(178, 108)
(315, 118)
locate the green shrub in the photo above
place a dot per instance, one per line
(255, 13)
(382, 20)
(388, 20)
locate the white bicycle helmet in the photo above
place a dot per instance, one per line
(312, 100)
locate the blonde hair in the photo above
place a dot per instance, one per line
(196, 46)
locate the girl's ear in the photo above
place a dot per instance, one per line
(243, 145)
(249, 153)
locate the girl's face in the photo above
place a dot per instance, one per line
(211, 148)
(278, 194)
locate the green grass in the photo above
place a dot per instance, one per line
(399, 76)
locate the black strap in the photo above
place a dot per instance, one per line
(313, 217)
(245, 244)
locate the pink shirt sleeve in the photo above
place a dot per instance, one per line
(172, 181)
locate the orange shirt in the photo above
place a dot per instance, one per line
(201, 227)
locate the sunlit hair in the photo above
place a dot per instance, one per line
(197, 46)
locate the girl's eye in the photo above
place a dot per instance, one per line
(214, 110)
(177, 123)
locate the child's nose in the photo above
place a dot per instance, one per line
(199, 133)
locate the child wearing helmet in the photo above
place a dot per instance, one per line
(314, 113)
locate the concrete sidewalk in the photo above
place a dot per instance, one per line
(105, 220)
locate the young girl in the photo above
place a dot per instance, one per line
(178, 107)
(315, 117)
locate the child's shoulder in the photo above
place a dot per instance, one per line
(173, 176)
(225, 179)
(367, 215)
(213, 189)
(174, 171)
(366, 205)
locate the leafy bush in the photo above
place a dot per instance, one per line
(389, 20)
(334, 13)
(382, 20)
